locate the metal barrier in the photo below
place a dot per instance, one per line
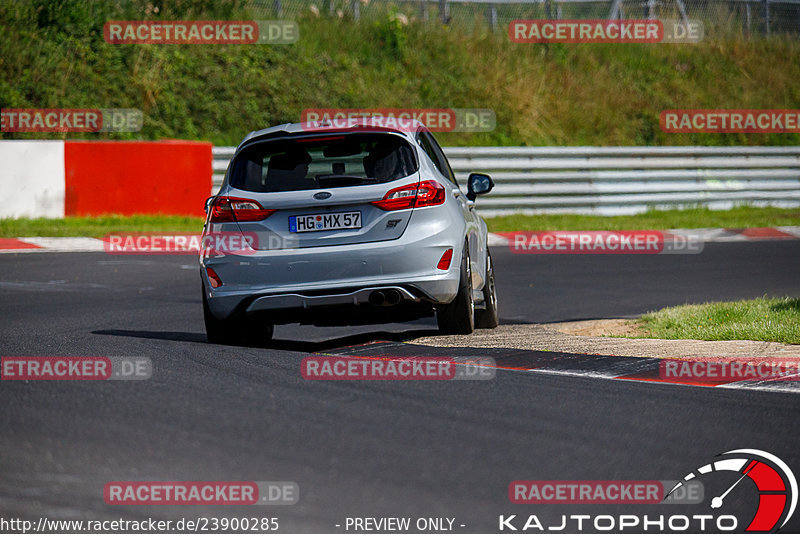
(619, 180)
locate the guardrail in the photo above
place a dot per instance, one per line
(619, 180)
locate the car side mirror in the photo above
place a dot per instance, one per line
(478, 184)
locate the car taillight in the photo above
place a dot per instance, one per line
(427, 193)
(231, 209)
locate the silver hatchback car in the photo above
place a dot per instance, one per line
(344, 226)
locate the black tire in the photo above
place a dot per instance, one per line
(488, 318)
(236, 330)
(217, 330)
(255, 331)
(458, 317)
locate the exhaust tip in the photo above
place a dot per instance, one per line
(393, 297)
(377, 298)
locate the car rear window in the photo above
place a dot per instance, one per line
(322, 162)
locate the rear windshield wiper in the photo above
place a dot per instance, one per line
(330, 180)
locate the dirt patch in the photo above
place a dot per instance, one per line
(598, 328)
(585, 337)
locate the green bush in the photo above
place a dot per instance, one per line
(53, 55)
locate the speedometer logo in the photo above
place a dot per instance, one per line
(774, 482)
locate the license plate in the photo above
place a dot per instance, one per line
(319, 222)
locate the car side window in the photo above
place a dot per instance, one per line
(428, 149)
(437, 155)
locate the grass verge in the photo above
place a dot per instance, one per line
(739, 217)
(98, 226)
(761, 319)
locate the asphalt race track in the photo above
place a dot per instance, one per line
(419, 449)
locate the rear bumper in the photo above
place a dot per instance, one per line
(342, 275)
(224, 304)
(296, 300)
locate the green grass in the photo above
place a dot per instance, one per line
(762, 319)
(52, 54)
(739, 217)
(98, 226)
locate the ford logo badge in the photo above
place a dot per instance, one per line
(322, 196)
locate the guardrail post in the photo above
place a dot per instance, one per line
(355, 5)
(492, 16)
(747, 15)
(682, 9)
(614, 13)
(278, 8)
(651, 9)
(444, 11)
